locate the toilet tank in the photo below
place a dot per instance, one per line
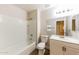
(44, 38)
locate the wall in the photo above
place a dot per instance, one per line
(77, 22)
(46, 16)
(69, 24)
(75, 33)
(13, 29)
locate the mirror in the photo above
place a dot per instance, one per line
(63, 26)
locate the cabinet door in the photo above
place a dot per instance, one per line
(71, 51)
(55, 48)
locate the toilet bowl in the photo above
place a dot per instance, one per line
(41, 45)
(41, 48)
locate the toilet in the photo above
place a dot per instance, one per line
(41, 46)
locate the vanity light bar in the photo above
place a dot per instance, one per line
(63, 11)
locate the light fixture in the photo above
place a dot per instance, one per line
(63, 11)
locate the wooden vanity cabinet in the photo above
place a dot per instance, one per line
(63, 48)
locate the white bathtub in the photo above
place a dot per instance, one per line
(27, 50)
(18, 49)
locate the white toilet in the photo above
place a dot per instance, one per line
(41, 45)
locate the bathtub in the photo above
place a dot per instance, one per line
(17, 50)
(27, 50)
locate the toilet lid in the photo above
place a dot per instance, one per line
(41, 45)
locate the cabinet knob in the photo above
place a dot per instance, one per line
(64, 49)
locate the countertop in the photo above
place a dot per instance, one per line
(65, 39)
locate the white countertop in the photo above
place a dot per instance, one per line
(65, 39)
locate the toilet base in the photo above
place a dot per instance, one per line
(41, 51)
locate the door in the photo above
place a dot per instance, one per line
(71, 51)
(60, 27)
(32, 29)
(55, 48)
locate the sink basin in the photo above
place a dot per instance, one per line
(61, 36)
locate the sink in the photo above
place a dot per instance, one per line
(65, 39)
(61, 36)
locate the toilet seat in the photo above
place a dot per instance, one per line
(41, 45)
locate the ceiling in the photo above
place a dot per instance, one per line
(29, 7)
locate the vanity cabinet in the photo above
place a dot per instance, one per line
(63, 48)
